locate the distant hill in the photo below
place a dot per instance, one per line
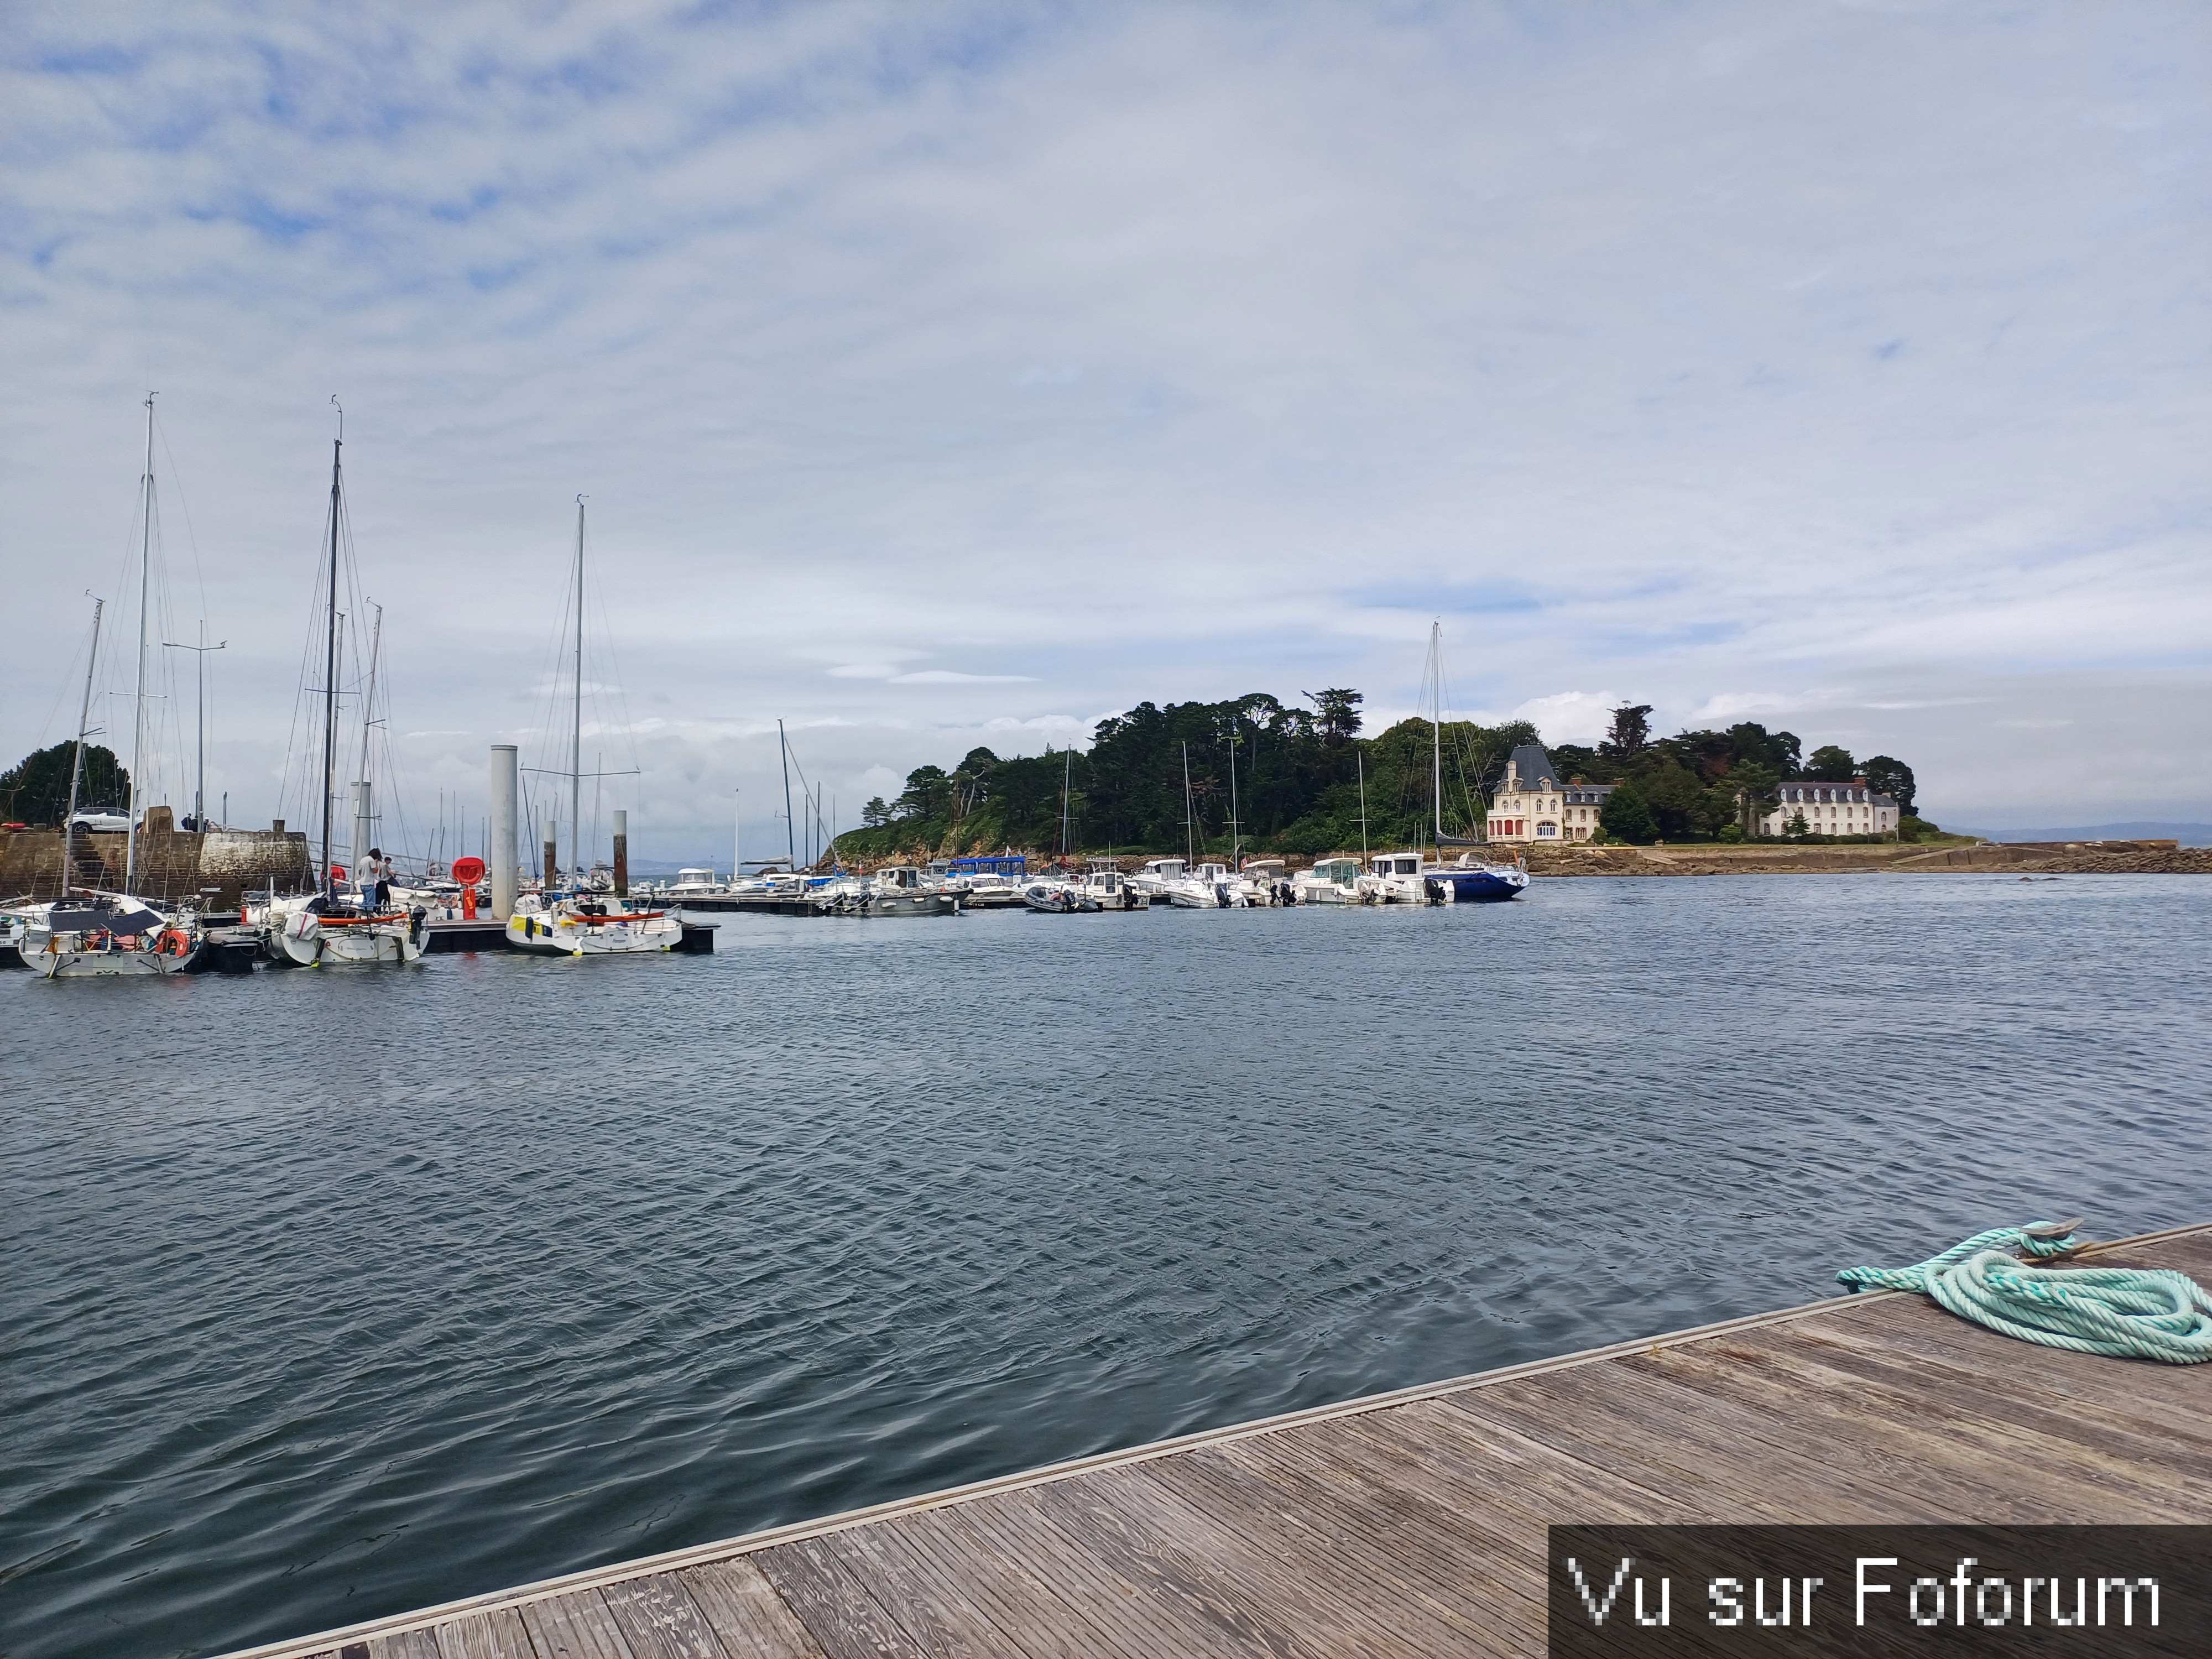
(2188, 835)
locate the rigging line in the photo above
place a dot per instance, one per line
(191, 539)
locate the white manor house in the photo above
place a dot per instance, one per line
(1532, 804)
(1832, 809)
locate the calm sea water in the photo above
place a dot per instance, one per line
(330, 1294)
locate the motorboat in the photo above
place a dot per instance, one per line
(1206, 888)
(1396, 878)
(1267, 880)
(1105, 883)
(1153, 875)
(1470, 879)
(1058, 896)
(694, 884)
(1331, 881)
(588, 924)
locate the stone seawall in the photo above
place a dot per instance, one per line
(172, 864)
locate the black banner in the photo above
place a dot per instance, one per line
(1950, 1592)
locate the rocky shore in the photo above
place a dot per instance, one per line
(2163, 858)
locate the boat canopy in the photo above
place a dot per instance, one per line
(997, 864)
(92, 918)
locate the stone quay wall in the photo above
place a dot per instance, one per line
(172, 864)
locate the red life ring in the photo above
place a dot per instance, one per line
(172, 943)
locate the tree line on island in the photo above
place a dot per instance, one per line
(1276, 777)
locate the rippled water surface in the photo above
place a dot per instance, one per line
(332, 1293)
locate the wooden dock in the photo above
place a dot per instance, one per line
(1411, 1524)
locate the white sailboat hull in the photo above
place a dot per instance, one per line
(566, 935)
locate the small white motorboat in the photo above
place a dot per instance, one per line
(1331, 881)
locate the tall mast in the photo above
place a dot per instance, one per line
(576, 730)
(1236, 841)
(1189, 823)
(1066, 779)
(368, 703)
(331, 668)
(77, 770)
(1361, 757)
(138, 718)
(790, 829)
(1436, 729)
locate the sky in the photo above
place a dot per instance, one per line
(955, 374)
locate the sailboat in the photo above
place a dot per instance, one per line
(335, 925)
(89, 933)
(1471, 879)
(579, 921)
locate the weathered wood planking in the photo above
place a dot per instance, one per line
(1408, 1524)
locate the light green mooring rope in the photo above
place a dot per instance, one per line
(2128, 1313)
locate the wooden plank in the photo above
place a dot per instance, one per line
(1939, 1438)
(495, 1634)
(659, 1621)
(2012, 1398)
(1148, 1535)
(578, 1626)
(745, 1612)
(1434, 1597)
(1304, 1572)
(939, 1618)
(836, 1610)
(1012, 1527)
(1701, 1459)
(2167, 1401)
(1035, 1619)
(418, 1644)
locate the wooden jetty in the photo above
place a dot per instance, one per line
(1411, 1524)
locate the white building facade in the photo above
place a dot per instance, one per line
(1532, 804)
(1832, 809)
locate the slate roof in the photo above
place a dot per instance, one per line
(1533, 766)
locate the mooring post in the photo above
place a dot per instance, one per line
(501, 854)
(622, 853)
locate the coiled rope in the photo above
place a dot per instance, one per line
(2127, 1313)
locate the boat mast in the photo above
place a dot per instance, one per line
(76, 768)
(1066, 778)
(1189, 824)
(1236, 841)
(138, 718)
(1361, 757)
(329, 883)
(367, 805)
(576, 730)
(790, 829)
(1437, 732)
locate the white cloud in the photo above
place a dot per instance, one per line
(1581, 717)
(1857, 355)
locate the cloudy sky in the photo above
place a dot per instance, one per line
(943, 374)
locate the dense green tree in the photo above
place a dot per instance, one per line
(1890, 777)
(875, 814)
(928, 794)
(1674, 799)
(1831, 764)
(36, 789)
(1630, 734)
(1625, 816)
(1336, 713)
